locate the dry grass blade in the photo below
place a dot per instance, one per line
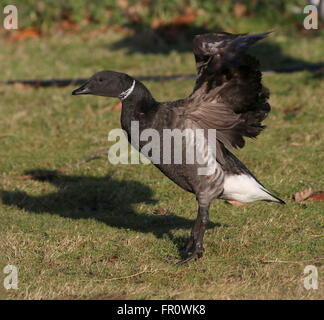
(315, 260)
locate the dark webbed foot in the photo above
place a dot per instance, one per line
(194, 250)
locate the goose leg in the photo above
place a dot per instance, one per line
(194, 247)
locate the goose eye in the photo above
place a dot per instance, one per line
(100, 80)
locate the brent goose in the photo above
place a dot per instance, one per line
(228, 96)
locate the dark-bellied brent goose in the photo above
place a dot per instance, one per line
(228, 96)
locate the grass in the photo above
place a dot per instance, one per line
(116, 232)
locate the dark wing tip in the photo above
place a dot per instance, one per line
(244, 42)
(209, 44)
(282, 202)
(279, 200)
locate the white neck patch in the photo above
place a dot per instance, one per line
(125, 94)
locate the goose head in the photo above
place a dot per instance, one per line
(108, 84)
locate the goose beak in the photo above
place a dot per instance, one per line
(82, 90)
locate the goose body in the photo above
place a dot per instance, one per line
(228, 97)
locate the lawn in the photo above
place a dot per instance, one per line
(102, 231)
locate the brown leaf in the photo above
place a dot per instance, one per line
(178, 29)
(24, 34)
(317, 196)
(133, 14)
(292, 109)
(186, 18)
(123, 4)
(120, 29)
(94, 33)
(19, 85)
(156, 23)
(303, 195)
(237, 203)
(113, 258)
(68, 25)
(145, 3)
(239, 10)
(160, 211)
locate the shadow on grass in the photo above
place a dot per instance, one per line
(103, 199)
(160, 40)
(149, 41)
(271, 56)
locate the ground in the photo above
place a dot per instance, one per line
(97, 230)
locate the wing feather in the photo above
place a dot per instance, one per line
(228, 95)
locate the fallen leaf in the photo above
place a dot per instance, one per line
(160, 211)
(157, 22)
(24, 34)
(292, 109)
(303, 195)
(118, 28)
(186, 18)
(68, 25)
(145, 3)
(237, 203)
(133, 14)
(122, 4)
(239, 10)
(94, 33)
(113, 258)
(317, 196)
(19, 85)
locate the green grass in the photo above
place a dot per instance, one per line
(116, 232)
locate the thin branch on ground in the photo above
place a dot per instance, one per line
(93, 156)
(127, 277)
(293, 262)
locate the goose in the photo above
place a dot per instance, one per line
(228, 97)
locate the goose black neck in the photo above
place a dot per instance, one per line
(138, 106)
(140, 94)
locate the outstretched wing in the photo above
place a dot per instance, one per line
(228, 94)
